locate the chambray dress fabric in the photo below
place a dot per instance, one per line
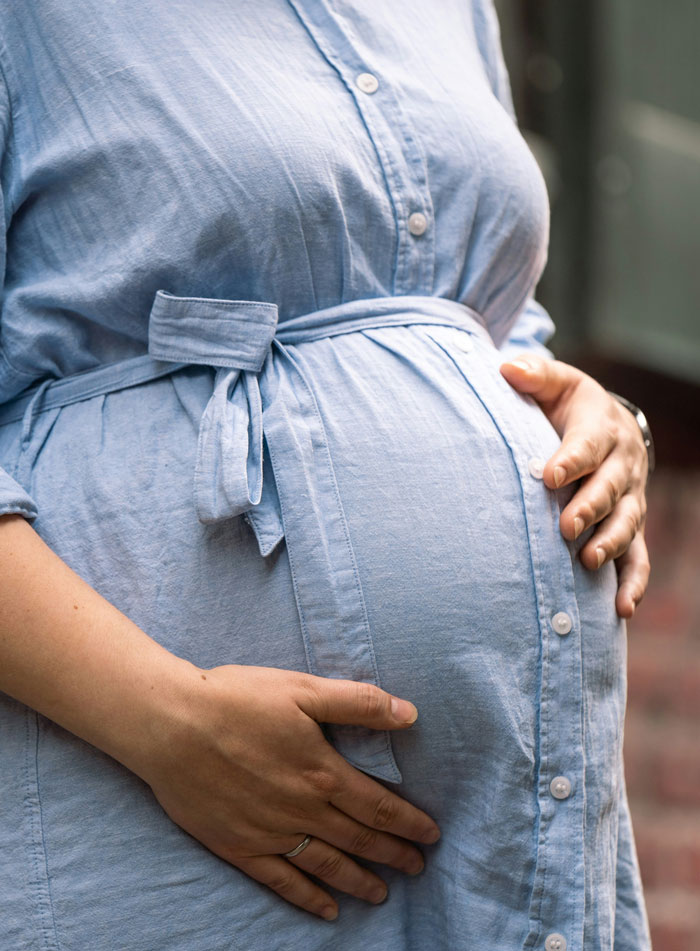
(252, 396)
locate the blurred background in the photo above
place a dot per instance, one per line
(608, 96)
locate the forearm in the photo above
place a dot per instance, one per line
(71, 655)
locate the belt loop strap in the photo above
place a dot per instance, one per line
(216, 333)
(28, 417)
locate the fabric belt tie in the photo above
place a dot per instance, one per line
(236, 337)
(262, 395)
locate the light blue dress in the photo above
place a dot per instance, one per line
(261, 264)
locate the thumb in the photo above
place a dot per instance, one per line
(545, 380)
(353, 702)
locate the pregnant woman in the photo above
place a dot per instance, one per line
(267, 493)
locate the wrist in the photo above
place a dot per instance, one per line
(148, 711)
(644, 429)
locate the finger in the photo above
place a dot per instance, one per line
(545, 380)
(632, 577)
(595, 425)
(373, 805)
(290, 883)
(345, 833)
(614, 535)
(338, 870)
(583, 449)
(596, 498)
(349, 701)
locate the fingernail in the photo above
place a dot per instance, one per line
(329, 913)
(600, 556)
(403, 711)
(523, 364)
(414, 867)
(559, 475)
(578, 526)
(378, 895)
(430, 837)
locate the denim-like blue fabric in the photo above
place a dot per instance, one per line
(257, 406)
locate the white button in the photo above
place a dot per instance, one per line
(536, 466)
(417, 223)
(560, 787)
(367, 83)
(463, 341)
(555, 942)
(561, 623)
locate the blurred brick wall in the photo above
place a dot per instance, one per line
(662, 739)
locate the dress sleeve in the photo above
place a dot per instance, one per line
(534, 326)
(14, 500)
(531, 332)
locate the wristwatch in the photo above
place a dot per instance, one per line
(643, 425)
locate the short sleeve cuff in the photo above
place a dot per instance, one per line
(531, 332)
(14, 500)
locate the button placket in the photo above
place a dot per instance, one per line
(561, 623)
(559, 887)
(395, 141)
(563, 672)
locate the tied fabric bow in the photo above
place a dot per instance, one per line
(234, 337)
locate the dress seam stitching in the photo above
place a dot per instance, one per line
(32, 808)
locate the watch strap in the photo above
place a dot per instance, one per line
(643, 426)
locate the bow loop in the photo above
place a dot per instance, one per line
(216, 333)
(229, 472)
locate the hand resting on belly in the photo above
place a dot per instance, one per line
(602, 445)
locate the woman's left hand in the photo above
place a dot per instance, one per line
(602, 445)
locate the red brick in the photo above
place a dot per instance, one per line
(668, 845)
(662, 746)
(662, 758)
(671, 609)
(674, 919)
(664, 678)
(663, 613)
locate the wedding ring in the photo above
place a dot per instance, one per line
(300, 848)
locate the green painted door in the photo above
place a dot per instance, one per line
(645, 288)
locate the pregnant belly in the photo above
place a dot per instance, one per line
(449, 527)
(460, 557)
(479, 611)
(457, 561)
(429, 446)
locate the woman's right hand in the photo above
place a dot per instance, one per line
(235, 754)
(247, 771)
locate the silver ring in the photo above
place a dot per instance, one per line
(300, 848)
